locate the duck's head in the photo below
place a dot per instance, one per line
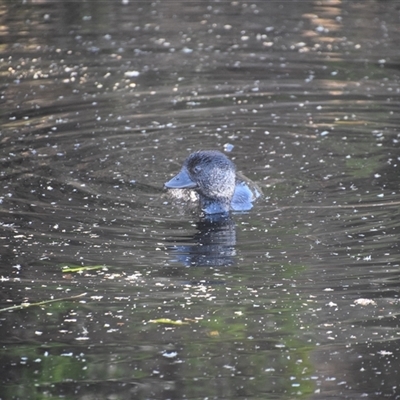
(212, 175)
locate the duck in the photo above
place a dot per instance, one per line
(210, 178)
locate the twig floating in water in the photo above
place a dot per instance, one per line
(40, 303)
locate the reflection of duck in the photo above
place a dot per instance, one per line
(213, 245)
(215, 182)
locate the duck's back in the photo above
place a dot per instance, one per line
(246, 192)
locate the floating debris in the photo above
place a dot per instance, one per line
(168, 321)
(364, 302)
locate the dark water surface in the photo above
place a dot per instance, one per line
(101, 101)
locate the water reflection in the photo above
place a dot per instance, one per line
(213, 245)
(100, 96)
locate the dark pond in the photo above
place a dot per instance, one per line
(109, 290)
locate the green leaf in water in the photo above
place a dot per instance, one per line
(82, 269)
(168, 321)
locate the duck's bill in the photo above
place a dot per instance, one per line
(181, 181)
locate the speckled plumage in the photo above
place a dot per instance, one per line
(210, 177)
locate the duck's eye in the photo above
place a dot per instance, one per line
(197, 169)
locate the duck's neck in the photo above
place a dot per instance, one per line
(210, 206)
